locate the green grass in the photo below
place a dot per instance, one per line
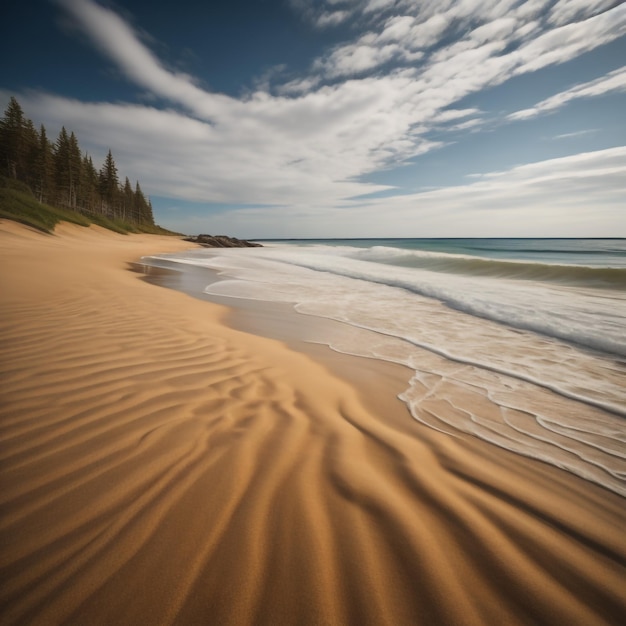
(21, 206)
(17, 203)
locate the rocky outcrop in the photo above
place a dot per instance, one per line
(222, 241)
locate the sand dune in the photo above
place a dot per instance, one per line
(161, 468)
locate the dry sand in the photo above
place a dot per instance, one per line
(159, 467)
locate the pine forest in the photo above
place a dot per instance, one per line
(59, 174)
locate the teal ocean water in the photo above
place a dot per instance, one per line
(520, 342)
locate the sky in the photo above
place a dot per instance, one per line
(340, 118)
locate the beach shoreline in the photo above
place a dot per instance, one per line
(379, 382)
(159, 467)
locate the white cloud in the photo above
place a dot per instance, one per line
(332, 18)
(357, 58)
(309, 144)
(396, 28)
(565, 11)
(377, 5)
(454, 114)
(498, 29)
(427, 33)
(614, 81)
(566, 42)
(116, 39)
(299, 86)
(576, 196)
(325, 13)
(495, 26)
(280, 160)
(578, 133)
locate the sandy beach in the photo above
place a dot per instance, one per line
(159, 467)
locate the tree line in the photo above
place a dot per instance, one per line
(59, 174)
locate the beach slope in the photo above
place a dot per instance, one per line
(158, 467)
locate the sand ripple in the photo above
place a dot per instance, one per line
(159, 468)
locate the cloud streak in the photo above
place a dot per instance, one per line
(614, 81)
(116, 39)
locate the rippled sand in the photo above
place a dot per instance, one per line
(158, 467)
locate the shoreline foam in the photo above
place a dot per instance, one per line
(544, 399)
(159, 467)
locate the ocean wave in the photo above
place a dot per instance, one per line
(581, 316)
(593, 318)
(461, 356)
(580, 275)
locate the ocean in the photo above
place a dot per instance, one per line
(519, 342)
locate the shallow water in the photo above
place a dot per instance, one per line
(519, 342)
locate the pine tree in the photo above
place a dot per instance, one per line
(128, 201)
(143, 210)
(89, 184)
(43, 169)
(74, 165)
(30, 154)
(109, 186)
(61, 168)
(13, 142)
(149, 216)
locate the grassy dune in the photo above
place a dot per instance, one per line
(17, 203)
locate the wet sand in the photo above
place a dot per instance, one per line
(160, 467)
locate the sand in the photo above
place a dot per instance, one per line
(159, 467)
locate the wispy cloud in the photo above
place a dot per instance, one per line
(327, 13)
(565, 11)
(120, 42)
(332, 18)
(578, 196)
(613, 82)
(546, 198)
(578, 133)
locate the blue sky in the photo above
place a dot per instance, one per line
(341, 118)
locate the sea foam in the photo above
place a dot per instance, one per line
(548, 353)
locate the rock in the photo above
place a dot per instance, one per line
(222, 241)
